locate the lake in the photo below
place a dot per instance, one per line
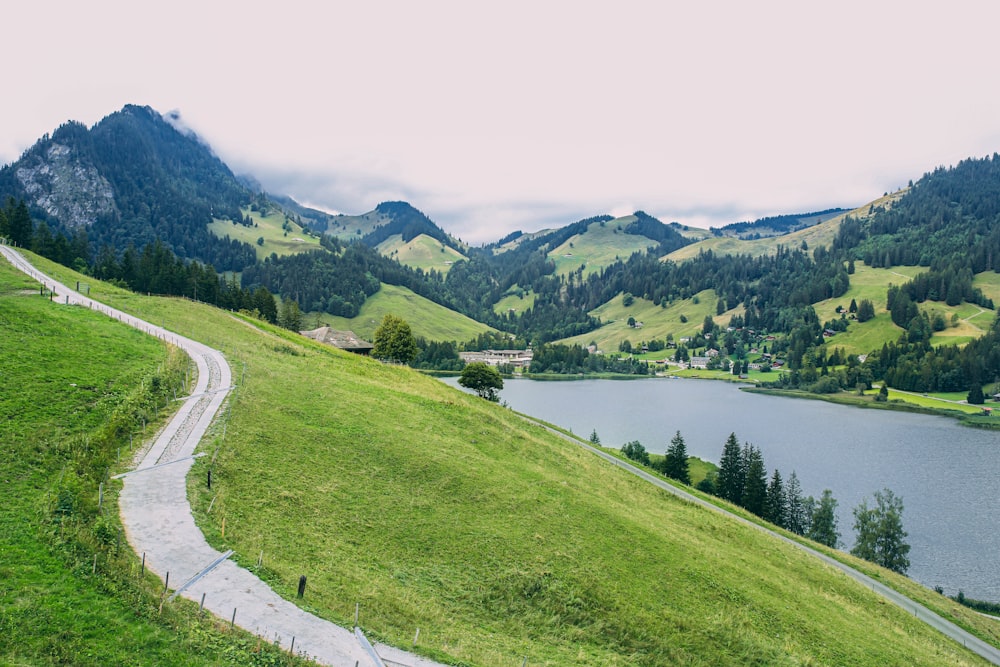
(947, 475)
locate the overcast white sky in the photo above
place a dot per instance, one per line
(491, 117)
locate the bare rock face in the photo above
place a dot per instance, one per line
(66, 188)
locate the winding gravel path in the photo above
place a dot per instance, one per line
(159, 525)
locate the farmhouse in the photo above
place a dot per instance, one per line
(345, 340)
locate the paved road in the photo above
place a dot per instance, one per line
(973, 643)
(158, 522)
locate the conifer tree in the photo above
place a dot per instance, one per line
(729, 484)
(777, 501)
(823, 525)
(755, 486)
(796, 519)
(675, 463)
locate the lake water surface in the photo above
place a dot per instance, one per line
(947, 475)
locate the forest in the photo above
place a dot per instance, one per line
(167, 186)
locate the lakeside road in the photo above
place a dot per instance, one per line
(160, 528)
(946, 627)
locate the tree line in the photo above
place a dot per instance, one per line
(742, 479)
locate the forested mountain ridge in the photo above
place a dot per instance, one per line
(132, 199)
(133, 178)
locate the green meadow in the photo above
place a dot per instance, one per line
(422, 252)
(430, 508)
(601, 245)
(270, 228)
(426, 318)
(75, 385)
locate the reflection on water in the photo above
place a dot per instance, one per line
(947, 475)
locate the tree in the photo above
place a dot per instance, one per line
(777, 501)
(880, 532)
(975, 395)
(636, 451)
(594, 438)
(675, 462)
(866, 310)
(19, 226)
(394, 340)
(755, 486)
(289, 315)
(483, 379)
(729, 484)
(795, 510)
(823, 525)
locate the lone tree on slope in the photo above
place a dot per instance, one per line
(394, 341)
(483, 379)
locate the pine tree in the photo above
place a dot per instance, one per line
(755, 486)
(729, 484)
(19, 227)
(675, 463)
(777, 501)
(795, 519)
(823, 525)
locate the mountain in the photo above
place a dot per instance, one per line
(134, 177)
(778, 224)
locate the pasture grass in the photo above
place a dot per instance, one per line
(269, 227)
(75, 384)
(422, 252)
(426, 318)
(434, 509)
(600, 246)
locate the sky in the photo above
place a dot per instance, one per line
(495, 117)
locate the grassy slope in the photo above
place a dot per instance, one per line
(599, 247)
(426, 318)
(71, 368)
(497, 539)
(275, 240)
(869, 283)
(422, 252)
(817, 235)
(514, 302)
(657, 321)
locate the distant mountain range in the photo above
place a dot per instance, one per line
(138, 175)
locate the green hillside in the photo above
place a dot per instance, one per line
(821, 234)
(498, 539)
(422, 252)
(426, 318)
(355, 226)
(601, 245)
(78, 376)
(871, 284)
(657, 322)
(517, 300)
(282, 235)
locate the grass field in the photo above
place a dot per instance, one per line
(514, 302)
(600, 246)
(78, 377)
(657, 322)
(815, 236)
(422, 252)
(276, 240)
(434, 509)
(426, 318)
